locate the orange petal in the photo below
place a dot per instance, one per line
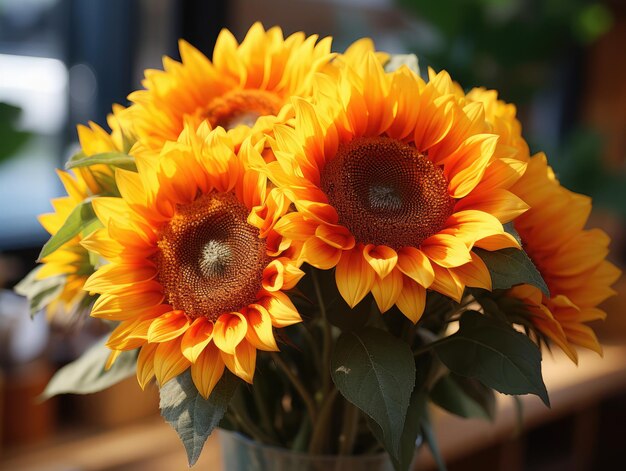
(387, 290)
(318, 253)
(168, 327)
(381, 258)
(474, 274)
(169, 361)
(281, 310)
(336, 236)
(242, 362)
(145, 364)
(196, 338)
(207, 370)
(260, 333)
(113, 278)
(446, 250)
(121, 308)
(447, 283)
(354, 276)
(413, 263)
(230, 329)
(273, 276)
(412, 300)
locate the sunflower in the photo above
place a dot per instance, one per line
(191, 279)
(394, 183)
(570, 259)
(71, 260)
(244, 88)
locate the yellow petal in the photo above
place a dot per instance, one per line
(260, 333)
(196, 338)
(447, 283)
(230, 329)
(412, 300)
(413, 263)
(145, 364)
(319, 254)
(446, 250)
(354, 276)
(381, 258)
(387, 290)
(242, 362)
(207, 370)
(474, 274)
(169, 361)
(281, 310)
(168, 327)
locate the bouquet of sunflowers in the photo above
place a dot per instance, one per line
(307, 247)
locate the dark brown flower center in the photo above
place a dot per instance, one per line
(242, 107)
(386, 192)
(210, 260)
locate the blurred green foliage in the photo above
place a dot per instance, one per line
(520, 48)
(10, 138)
(510, 45)
(582, 169)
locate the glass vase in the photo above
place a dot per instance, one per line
(242, 454)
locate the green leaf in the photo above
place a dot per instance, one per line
(82, 220)
(112, 159)
(495, 354)
(398, 60)
(464, 397)
(39, 292)
(510, 267)
(192, 416)
(412, 428)
(87, 374)
(376, 372)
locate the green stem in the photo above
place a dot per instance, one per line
(248, 427)
(429, 346)
(349, 429)
(304, 394)
(320, 428)
(261, 406)
(328, 338)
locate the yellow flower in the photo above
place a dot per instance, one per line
(191, 277)
(394, 184)
(244, 88)
(72, 260)
(570, 259)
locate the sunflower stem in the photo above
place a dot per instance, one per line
(321, 426)
(349, 428)
(304, 394)
(429, 346)
(261, 407)
(248, 427)
(328, 336)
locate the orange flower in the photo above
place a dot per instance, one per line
(191, 278)
(394, 183)
(570, 259)
(72, 260)
(244, 88)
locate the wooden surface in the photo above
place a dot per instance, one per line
(152, 444)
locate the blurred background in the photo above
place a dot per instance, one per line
(64, 62)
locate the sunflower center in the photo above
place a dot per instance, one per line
(242, 107)
(386, 192)
(210, 260)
